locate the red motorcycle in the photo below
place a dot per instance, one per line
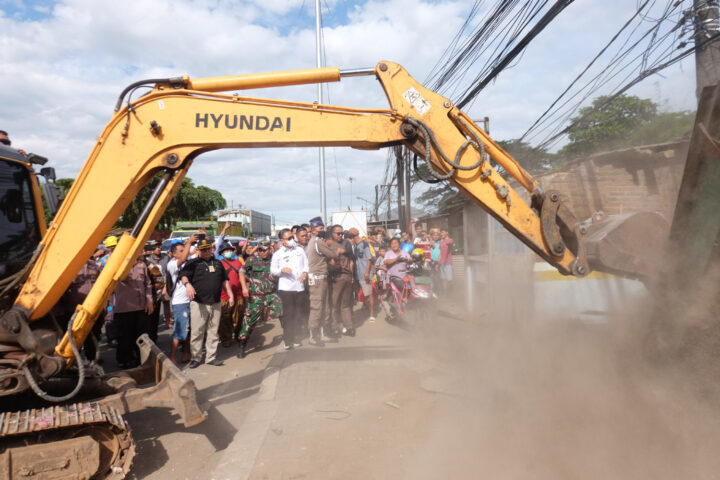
(409, 299)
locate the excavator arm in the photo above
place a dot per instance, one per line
(181, 118)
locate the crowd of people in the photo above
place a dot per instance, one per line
(213, 293)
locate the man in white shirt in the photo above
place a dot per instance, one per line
(289, 264)
(179, 299)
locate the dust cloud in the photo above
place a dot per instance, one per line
(547, 398)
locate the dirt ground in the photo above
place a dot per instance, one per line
(450, 398)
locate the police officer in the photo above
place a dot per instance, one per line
(261, 296)
(318, 254)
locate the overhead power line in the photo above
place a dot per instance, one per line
(643, 46)
(502, 24)
(643, 75)
(559, 6)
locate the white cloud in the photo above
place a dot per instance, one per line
(62, 72)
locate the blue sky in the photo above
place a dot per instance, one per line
(65, 62)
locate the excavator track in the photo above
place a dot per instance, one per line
(87, 440)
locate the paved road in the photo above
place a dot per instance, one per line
(289, 414)
(450, 398)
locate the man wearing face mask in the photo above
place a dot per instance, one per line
(302, 237)
(289, 263)
(231, 315)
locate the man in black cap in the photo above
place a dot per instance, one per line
(204, 278)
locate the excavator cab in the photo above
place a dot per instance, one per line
(22, 222)
(88, 437)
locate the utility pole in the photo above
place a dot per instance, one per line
(351, 197)
(400, 180)
(376, 203)
(387, 212)
(408, 211)
(321, 159)
(707, 57)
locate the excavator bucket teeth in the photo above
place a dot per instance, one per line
(172, 388)
(630, 245)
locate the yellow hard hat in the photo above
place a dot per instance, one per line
(110, 241)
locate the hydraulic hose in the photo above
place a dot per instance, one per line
(81, 373)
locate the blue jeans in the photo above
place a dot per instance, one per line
(181, 312)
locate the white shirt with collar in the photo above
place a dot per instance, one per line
(294, 258)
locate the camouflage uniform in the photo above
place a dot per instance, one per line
(262, 295)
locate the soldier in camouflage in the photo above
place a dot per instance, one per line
(263, 297)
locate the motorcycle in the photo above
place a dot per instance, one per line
(410, 299)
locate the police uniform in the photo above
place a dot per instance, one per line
(262, 296)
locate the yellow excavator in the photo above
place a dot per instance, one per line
(162, 133)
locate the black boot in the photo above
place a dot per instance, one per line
(241, 353)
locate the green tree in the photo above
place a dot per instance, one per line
(623, 122)
(533, 159)
(664, 127)
(605, 124)
(64, 184)
(189, 203)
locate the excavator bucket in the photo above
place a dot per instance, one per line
(629, 245)
(126, 392)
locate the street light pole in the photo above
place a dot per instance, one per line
(367, 202)
(351, 197)
(321, 159)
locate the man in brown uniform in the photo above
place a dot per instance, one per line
(133, 305)
(341, 279)
(318, 253)
(74, 296)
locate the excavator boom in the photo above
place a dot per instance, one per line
(163, 132)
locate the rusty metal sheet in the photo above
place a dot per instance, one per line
(70, 459)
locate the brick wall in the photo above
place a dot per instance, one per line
(636, 179)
